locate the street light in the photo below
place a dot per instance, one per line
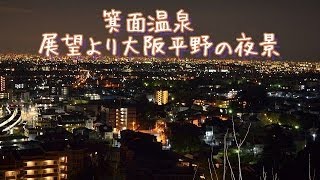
(314, 135)
(133, 123)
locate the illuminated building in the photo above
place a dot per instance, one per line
(161, 97)
(2, 84)
(32, 164)
(221, 104)
(3, 93)
(64, 91)
(199, 102)
(92, 96)
(71, 122)
(121, 118)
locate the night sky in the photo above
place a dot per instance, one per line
(296, 23)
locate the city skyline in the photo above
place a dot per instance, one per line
(152, 90)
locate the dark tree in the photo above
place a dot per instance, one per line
(184, 138)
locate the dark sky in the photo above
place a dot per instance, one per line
(296, 23)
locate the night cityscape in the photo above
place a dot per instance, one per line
(231, 108)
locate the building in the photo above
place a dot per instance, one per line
(71, 121)
(120, 118)
(3, 88)
(161, 97)
(2, 84)
(64, 91)
(32, 164)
